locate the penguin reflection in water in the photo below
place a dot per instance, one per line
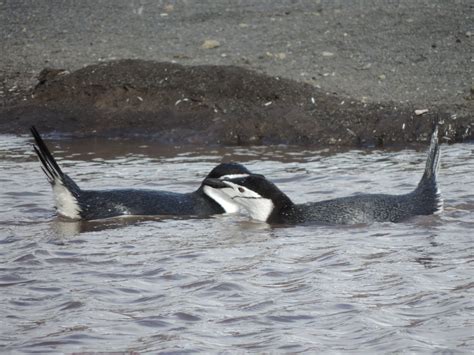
(75, 203)
(266, 202)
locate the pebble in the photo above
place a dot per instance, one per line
(421, 112)
(351, 132)
(280, 55)
(210, 44)
(327, 54)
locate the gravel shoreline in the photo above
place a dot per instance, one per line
(381, 54)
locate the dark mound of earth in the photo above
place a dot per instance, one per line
(217, 105)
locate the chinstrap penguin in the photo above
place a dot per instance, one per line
(75, 203)
(266, 202)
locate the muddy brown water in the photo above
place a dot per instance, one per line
(225, 283)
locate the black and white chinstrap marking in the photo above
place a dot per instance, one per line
(75, 203)
(266, 202)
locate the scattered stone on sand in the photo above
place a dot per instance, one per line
(421, 112)
(210, 44)
(280, 55)
(327, 54)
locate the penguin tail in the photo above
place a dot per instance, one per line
(428, 194)
(66, 192)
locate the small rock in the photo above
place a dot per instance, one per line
(351, 132)
(421, 112)
(327, 54)
(210, 44)
(138, 11)
(382, 77)
(49, 74)
(281, 55)
(468, 34)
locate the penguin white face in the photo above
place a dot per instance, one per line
(257, 206)
(222, 199)
(221, 172)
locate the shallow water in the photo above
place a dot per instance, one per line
(224, 283)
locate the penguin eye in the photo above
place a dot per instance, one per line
(241, 189)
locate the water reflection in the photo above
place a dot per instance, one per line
(68, 228)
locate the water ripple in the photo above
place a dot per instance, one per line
(224, 284)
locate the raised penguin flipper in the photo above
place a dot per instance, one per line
(66, 191)
(427, 193)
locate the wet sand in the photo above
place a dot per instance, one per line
(332, 73)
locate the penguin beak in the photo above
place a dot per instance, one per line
(215, 183)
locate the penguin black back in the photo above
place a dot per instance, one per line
(266, 202)
(75, 203)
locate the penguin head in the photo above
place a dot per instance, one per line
(228, 170)
(259, 196)
(220, 172)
